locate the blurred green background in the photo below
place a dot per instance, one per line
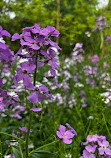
(73, 18)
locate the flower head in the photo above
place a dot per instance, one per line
(65, 135)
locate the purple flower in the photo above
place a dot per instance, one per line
(23, 74)
(4, 32)
(34, 37)
(36, 96)
(71, 129)
(50, 58)
(32, 44)
(65, 135)
(10, 156)
(96, 145)
(39, 94)
(88, 70)
(108, 38)
(5, 53)
(95, 59)
(101, 23)
(29, 67)
(1, 84)
(91, 149)
(1, 104)
(16, 36)
(20, 108)
(53, 31)
(78, 47)
(90, 81)
(24, 129)
(16, 115)
(86, 154)
(36, 109)
(104, 147)
(84, 105)
(95, 71)
(92, 138)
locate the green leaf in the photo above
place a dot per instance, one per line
(42, 154)
(16, 152)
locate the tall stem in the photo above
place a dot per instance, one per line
(44, 146)
(35, 73)
(31, 112)
(106, 125)
(58, 18)
(102, 42)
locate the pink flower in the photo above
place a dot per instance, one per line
(65, 135)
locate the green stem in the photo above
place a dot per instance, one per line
(102, 39)
(31, 112)
(88, 127)
(27, 137)
(12, 136)
(21, 151)
(43, 147)
(0, 148)
(78, 112)
(106, 125)
(35, 73)
(102, 42)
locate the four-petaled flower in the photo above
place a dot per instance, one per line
(65, 135)
(104, 147)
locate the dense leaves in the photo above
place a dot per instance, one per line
(76, 17)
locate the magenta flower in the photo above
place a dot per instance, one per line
(71, 129)
(1, 83)
(96, 145)
(36, 109)
(39, 94)
(92, 138)
(78, 48)
(91, 149)
(95, 59)
(86, 154)
(24, 129)
(10, 156)
(1, 104)
(108, 38)
(16, 36)
(23, 74)
(65, 135)
(4, 32)
(104, 147)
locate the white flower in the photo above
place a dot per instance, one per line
(68, 156)
(90, 118)
(79, 85)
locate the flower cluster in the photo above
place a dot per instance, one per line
(21, 133)
(101, 23)
(6, 55)
(38, 45)
(74, 72)
(37, 50)
(96, 146)
(9, 156)
(76, 55)
(66, 135)
(108, 38)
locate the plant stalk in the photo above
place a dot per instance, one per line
(11, 136)
(43, 146)
(31, 112)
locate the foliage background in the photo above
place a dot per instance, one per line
(75, 18)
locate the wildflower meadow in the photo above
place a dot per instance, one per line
(55, 81)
